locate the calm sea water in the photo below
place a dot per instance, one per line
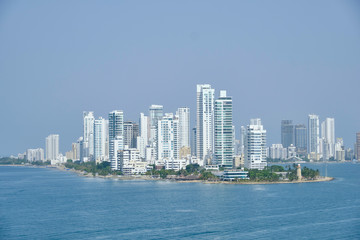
(38, 203)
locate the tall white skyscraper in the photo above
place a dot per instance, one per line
(255, 145)
(224, 134)
(168, 145)
(52, 147)
(88, 140)
(117, 145)
(183, 114)
(100, 132)
(142, 140)
(328, 135)
(313, 134)
(116, 129)
(204, 121)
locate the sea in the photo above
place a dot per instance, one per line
(45, 203)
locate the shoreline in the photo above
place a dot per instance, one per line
(148, 178)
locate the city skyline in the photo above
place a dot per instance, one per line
(275, 68)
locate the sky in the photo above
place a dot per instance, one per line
(277, 59)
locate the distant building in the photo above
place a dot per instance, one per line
(328, 136)
(88, 138)
(183, 114)
(287, 133)
(205, 121)
(100, 135)
(277, 151)
(168, 139)
(301, 139)
(35, 154)
(116, 130)
(224, 135)
(193, 142)
(52, 147)
(144, 133)
(131, 132)
(313, 134)
(255, 145)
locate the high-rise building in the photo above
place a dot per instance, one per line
(183, 114)
(301, 139)
(116, 129)
(328, 136)
(52, 147)
(131, 132)
(118, 145)
(100, 133)
(35, 154)
(168, 137)
(205, 122)
(277, 151)
(143, 138)
(287, 133)
(255, 145)
(223, 134)
(313, 134)
(357, 150)
(88, 140)
(155, 114)
(242, 139)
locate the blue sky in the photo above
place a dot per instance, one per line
(278, 59)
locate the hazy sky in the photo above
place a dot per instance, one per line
(278, 59)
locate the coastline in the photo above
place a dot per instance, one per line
(148, 178)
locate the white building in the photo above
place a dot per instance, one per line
(100, 132)
(88, 140)
(35, 154)
(117, 145)
(52, 147)
(143, 139)
(183, 114)
(328, 136)
(168, 138)
(176, 164)
(126, 157)
(277, 151)
(205, 121)
(224, 131)
(255, 145)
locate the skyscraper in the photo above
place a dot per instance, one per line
(155, 114)
(88, 140)
(193, 141)
(52, 147)
(143, 138)
(183, 114)
(255, 145)
(116, 130)
(131, 132)
(100, 133)
(168, 138)
(313, 134)
(328, 135)
(287, 133)
(224, 135)
(301, 139)
(205, 121)
(357, 150)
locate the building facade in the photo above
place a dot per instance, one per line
(224, 131)
(116, 131)
(205, 121)
(287, 133)
(255, 145)
(52, 147)
(313, 134)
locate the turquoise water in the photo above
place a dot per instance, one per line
(38, 203)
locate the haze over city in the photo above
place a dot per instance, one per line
(59, 59)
